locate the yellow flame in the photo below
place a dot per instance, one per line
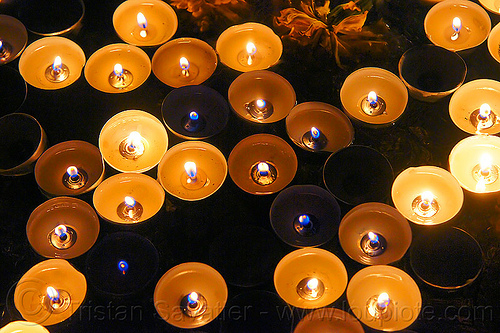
(193, 297)
(141, 20)
(484, 110)
(57, 64)
(118, 69)
(190, 168)
(184, 63)
(312, 284)
(383, 300)
(72, 171)
(129, 201)
(260, 103)
(53, 293)
(263, 167)
(60, 230)
(251, 48)
(372, 97)
(427, 197)
(457, 24)
(372, 236)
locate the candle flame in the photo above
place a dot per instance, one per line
(129, 201)
(192, 298)
(457, 24)
(304, 220)
(312, 284)
(1, 44)
(134, 139)
(427, 197)
(263, 168)
(373, 237)
(56, 66)
(184, 63)
(260, 103)
(372, 97)
(61, 230)
(53, 294)
(251, 48)
(193, 115)
(118, 69)
(141, 20)
(383, 300)
(123, 266)
(315, 133)
(72, 171)
(190, 168)
(484, 110)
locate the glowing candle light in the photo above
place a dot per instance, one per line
(372, 99)
(251, 50)
(72, 171)
(1, 45)
(260, 103)
(193, 115)
(373, 237)
(132, 147)
(123, 266)
(61, 231)
(312, 285)
(484, 111)
(427, 198)
(53, 294)
(192, 299)
(118, 70)
(57, 65)
(184, 64)
(457, 26)
(129, 202)
(190, 168)
(305, 221)
(141, 20)
(383, 301)
(315, 133)
(263, 168)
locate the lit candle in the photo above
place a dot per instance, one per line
(117, 68)
(249, 46)
(387, 240)
(475, 161)
(262, 164)
(184, 61)
(386, 298)
(57, 73)
(261, 96)
(143, 147)
(145, 23)
(310, 278)
(53, 288)
(23, 327)
(56, 171)
(13, 38)
(382, 107)
(120, 78)
(427, 195)
(128, 198)
(123, 266)
(192, 170)
(336, 128)
(43, 67)
(62, 227)
(305, 223)
(178, 283)
(251, 50)
(195, 179)
(457, 24)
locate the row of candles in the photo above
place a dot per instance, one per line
(134, 141)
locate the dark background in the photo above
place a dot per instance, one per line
(196, 231)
